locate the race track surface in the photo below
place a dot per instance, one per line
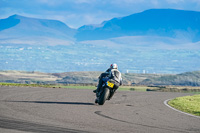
(57, 110)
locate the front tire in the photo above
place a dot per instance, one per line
(103, 96)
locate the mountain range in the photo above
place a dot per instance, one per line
(156, 22)
(167, 24)
(152, 41)
(19, 29)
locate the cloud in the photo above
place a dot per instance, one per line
(174, 1)
(127, 1)
(84, 1)
(51, 3)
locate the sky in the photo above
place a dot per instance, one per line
(76, 13)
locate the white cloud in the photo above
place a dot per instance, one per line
(196, 1)
(127, 1)
(83, 1)
(174, 1)
(155, 3)
(51, 2)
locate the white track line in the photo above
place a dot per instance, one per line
(166, 103)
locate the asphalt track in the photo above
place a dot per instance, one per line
(52, 110)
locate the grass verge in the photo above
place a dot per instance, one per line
(74, 86)
(195, 90)
(189, 104)
(26, 85)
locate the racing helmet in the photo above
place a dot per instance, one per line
(114, 66)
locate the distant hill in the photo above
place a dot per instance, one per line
(78, 77)
(27, 77)
(154, 22)
(183, 79)
(25, 30)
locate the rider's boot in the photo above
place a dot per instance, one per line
(95, 91)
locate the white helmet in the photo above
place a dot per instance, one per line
(114, 66)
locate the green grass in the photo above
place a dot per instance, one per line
(189, 104)
(121, 88)
(194, 90)
(26, 85)
(74, 86)
(135, 88)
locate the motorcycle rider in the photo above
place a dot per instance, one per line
(114, 76)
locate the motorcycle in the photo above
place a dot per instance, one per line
(106, 92)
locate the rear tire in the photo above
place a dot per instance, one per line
(103, 96)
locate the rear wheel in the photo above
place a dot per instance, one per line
(103, 96)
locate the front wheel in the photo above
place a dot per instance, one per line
(103, 96)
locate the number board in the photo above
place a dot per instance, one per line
(110, 84)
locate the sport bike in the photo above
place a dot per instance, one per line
(106, 92)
